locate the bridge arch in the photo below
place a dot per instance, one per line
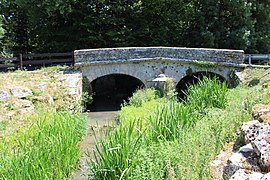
(194, 78)
(111, 90)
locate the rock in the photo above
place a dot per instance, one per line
(21, 92)
(26, 103)
(261, 112)
(250, 130)
(239, 175)
(4, 95)
(243, 159)
(261, 146)
(242, 174)
(73, 84)
(266, 177)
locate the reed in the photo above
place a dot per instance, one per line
(47, 150)
(120, 153)
(114, 154)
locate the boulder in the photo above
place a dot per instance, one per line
(260, 141)
(242, 174)
(245, 158)
(250, 130)
(4, 95)
(21, 92)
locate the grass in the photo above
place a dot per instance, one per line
(40, 142)
(143, 95)
(175, 140)
(47, 150)
(53, 97)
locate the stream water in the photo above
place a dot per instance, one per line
(95, 120)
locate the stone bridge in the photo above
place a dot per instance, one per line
(109, 68)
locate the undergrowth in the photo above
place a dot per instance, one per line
(166, 139)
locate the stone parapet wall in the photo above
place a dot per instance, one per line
(129, 54)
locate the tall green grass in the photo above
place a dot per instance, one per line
(47, 150)
(207, 93)
(114, 155)
(175, 140)
(168, 120)
(197, 146)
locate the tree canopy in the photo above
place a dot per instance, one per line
(66, 25)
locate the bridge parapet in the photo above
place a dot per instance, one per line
(137, 54)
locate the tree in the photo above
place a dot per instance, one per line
(220, 24)
(15, 24)
(1, 37)
(66, 25)
(260, 36)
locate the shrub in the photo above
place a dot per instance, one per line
(143, 95)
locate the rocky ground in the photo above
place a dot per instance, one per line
(248, 158)
(24, 93)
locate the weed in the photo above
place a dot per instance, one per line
(120, 154)
(143, 95)
(205, 64)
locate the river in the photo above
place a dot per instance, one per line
(95, 120)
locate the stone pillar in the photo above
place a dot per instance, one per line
(159, 82)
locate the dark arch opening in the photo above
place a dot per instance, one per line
(192, 79)
(110, 91)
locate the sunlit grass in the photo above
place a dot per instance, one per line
(120, 153)
(47, 150)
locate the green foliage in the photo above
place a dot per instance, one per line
(205, 64)
(141, 96)
(86, 98)
(175, 140)
(76, 24)
(190, 154)
(47, 150)
(207, 93)
(169, 119)
(114, 155)
(123, 152)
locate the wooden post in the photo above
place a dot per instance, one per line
(21, 61)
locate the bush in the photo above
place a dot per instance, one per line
(143, 95)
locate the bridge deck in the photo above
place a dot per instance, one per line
(136, 54)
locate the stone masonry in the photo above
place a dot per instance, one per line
(146, 63)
